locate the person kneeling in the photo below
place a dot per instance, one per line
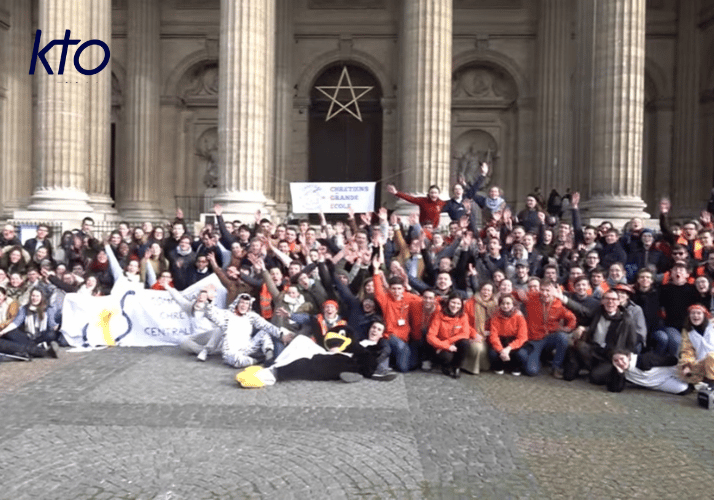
(509, 332)
(612, 331)
(449, 334)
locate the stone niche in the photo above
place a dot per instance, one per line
(199, 86)
(483, 85)
(488, 4)
(197, 4)
(347, 4)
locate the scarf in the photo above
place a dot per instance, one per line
(183, 253)
(294, 304)
(493, 203)
(703, 343)
(482, 311)
(33, 324)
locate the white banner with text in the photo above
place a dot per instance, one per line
(332, 197)
(128, 317)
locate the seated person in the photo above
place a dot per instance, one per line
(33, 332)
(449, 335)
(206, 337)
(346, 359)
(696, 358)
(247, 337)
(548, 323)
(395, 305)
(509, 332)
(611, 331)
(479, 308)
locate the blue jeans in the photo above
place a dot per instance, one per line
(530, 354)
(667, 340)
(406, 355)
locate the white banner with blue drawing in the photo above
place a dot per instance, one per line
(332, 197)
(130, 317)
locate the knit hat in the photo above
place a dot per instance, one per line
(700, 307)
(328, 302)
(622, 287)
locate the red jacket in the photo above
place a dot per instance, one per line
(420, 321)
(544, 319)
(429, 211)
(445, 330)
(396, 313)
(513, 326)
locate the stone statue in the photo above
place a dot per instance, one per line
(207, 150)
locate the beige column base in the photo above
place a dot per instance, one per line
(140, 211)
(614, 207)
(241, 205)
(59, 200)
(281, 211)
(102, 203)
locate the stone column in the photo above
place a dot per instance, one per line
(582, 96)
(269, 182)
(4, 53)
(283, 104)
(425, 100)
(140, 181)
(688, 193)
(16, 150)
(554, 142)
(618, 110)
(100, 97)
(60, 126)
(243, 112)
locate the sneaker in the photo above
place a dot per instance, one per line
(557, 373)
(350, 377)
(201, 356)
(426, 366)
(500, 372)
(516, 374)
(269, 357)
(54, 349)
(385, 377)
(456, 373)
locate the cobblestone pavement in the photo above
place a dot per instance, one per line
(152, 423)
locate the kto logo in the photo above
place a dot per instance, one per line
(65, 43)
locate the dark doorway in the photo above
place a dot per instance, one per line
(344, 148)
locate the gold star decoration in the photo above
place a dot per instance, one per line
(331, 113)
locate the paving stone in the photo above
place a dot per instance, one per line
(151, 423)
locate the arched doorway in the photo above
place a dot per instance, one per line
(345, 126)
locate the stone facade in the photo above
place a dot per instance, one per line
(212, 99)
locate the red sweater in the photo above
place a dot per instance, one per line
(419, 318)
(544, 319)
(396, 313)
(429, 211)
(513, 326)
(445, 330)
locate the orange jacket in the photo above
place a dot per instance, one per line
(513, 326)
(445, 330)
(396, 313)
(544, 319)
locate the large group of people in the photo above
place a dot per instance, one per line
(371, 295)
